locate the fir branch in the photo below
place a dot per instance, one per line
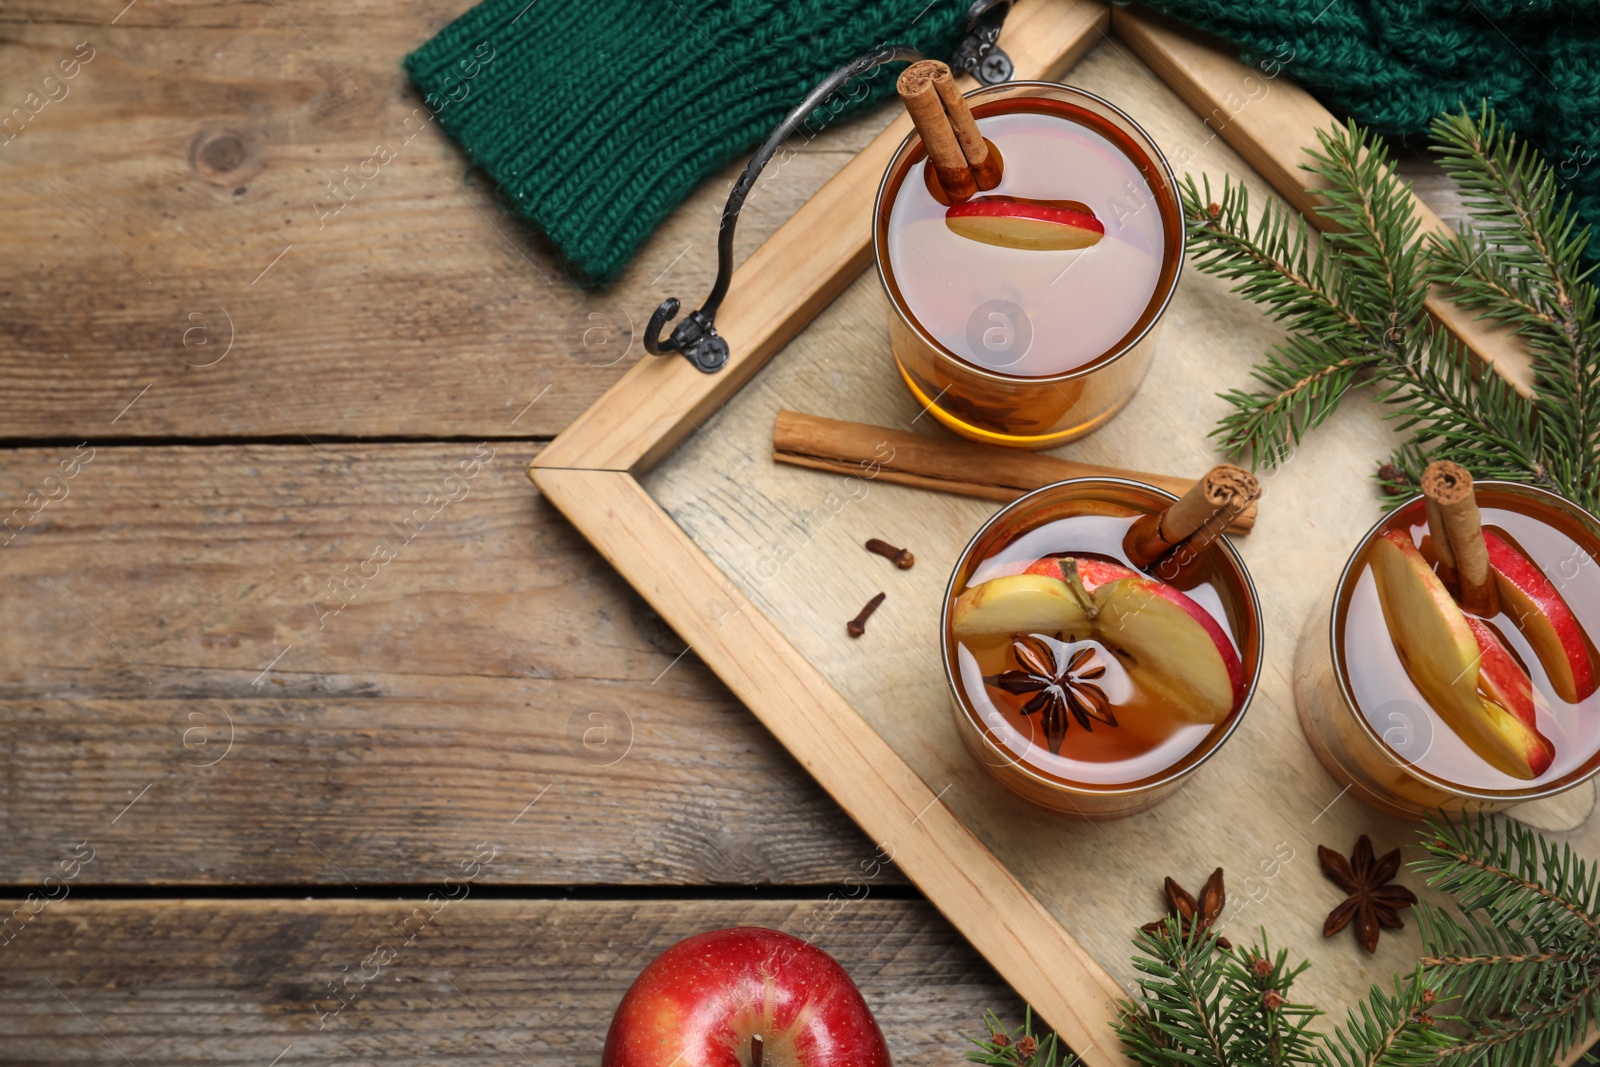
(1015, 1048)
(1519, 964)
(1280, 263)
(1503, 868)
(1484, 425)
(1527, 272)
(1390, 1030)
(1510, 979)
(1353, 302)
(1375, 227)
(1202, 1006)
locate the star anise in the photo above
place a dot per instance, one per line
(1060, 683)
(1194, 914)
(1372, 902)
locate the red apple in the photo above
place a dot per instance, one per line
(1176, 647)
(1012, 222)
(707, 1000)
(1457, 663)
(1544, 617)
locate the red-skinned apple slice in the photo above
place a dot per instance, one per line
(1457, 663)
(1096, 573)
(1012, 222)
(1175, 646)
(1557, 637)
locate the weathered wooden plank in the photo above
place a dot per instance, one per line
(168, 600)
(168, 224)
(497, 982)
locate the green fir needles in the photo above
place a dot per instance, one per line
(1509, 977)
(1352, 302)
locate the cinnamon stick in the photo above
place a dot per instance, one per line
(1442, 553)
(982, 157)
(965, 468)
(1459, 535)
(917, 89)
(1196, 519)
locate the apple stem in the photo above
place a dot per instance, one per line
(758, 1046)
(1069, 571)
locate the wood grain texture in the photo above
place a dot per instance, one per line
(494, 982)
(780, 288)
(1272, 123)
(164, 606)
(146, 211)
(905, 814)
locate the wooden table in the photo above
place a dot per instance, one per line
(270, 788)
(275, 741)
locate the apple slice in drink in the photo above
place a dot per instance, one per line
(1531, 599)
(1018, 604)
(1458, 664)
(1168, 642)
(1096, 573)
(1012, 222)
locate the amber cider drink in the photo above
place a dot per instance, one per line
(1379, 733)
(1030, 346)
(1094, 694)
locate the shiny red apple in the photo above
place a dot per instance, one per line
(745, 997)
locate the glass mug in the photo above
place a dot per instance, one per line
(1110, 771)
(1024, 347)
(1373, 730)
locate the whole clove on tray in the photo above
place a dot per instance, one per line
(900, 557)
(858, 625)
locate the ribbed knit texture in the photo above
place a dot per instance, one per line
(597, 117)
(1393, 65)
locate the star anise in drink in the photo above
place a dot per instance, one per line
(1060, 679)
(1372, 902)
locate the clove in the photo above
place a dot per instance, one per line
(900, 557)
(858, 625)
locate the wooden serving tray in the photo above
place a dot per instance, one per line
(758, 565)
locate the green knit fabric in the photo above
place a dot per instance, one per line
(1393, 65)
(597, 117)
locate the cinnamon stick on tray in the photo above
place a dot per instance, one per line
(965, 468)
(1456, 528)
(959, 155)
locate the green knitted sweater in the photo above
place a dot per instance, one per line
(595, 118)
(1393, 65)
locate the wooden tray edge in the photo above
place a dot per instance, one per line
(847, 757)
